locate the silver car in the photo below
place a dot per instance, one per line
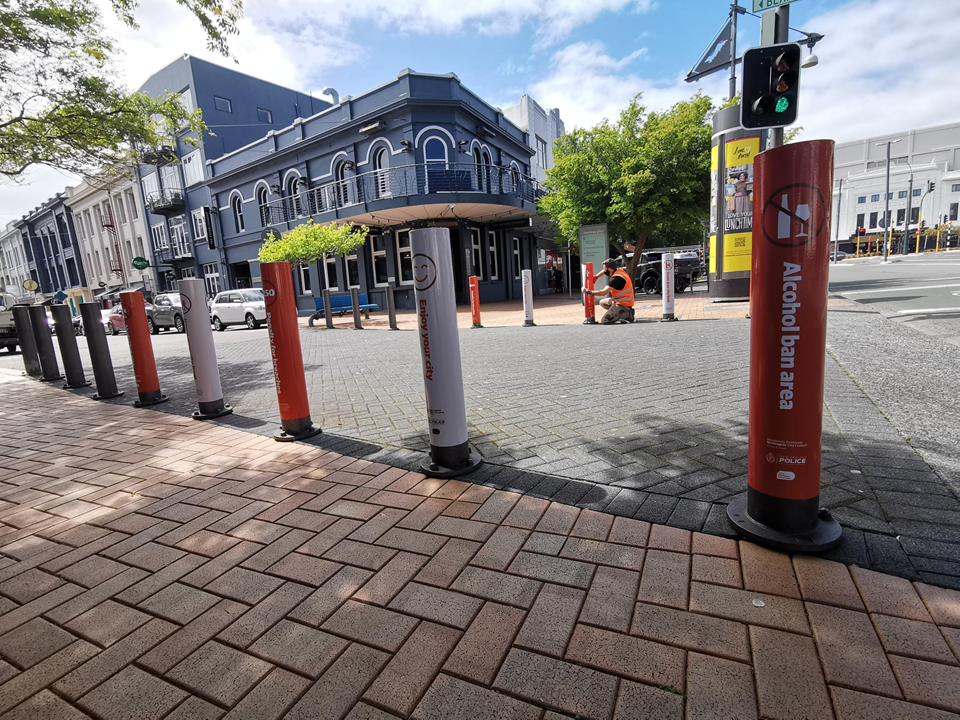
(238, 307)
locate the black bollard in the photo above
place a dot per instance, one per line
(28, 346)
(50, 371)
(327, 313)
(99, 352)
(355, 301)
(69, 352)
(392, 306)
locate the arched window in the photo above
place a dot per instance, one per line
(294, 206)
(478, 164)
(435, 156)
(340, 189)
(381, 166)
(262, 205)
(237, 206)
(487, 171)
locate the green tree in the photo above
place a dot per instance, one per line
(647, 173)
(60, 102)
(309, 242)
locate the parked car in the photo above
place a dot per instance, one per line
(686, 270)
(238, 307)
(78, 328)
(8, 330)
(165, 313)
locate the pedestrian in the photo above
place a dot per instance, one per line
(617, 295)
(557, 279)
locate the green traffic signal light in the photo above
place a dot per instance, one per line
(782, 105)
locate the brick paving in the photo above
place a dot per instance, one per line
(155, 567)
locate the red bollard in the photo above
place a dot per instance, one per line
(141, 350)
(475, 301)
(791, 259)
(284, 332)
(589, 304)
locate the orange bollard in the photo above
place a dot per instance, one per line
(475, 301)
(589, 304)
(285, 352)
(141, 350)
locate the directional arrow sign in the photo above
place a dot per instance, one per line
(762, 5)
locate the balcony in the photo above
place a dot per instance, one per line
(175, 250)
(167, 202)
(159, 155)
(484, 191)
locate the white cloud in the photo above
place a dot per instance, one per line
(868, 82)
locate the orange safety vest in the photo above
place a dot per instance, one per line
(623, 297)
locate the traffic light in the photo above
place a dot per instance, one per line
(861, 231)
(771, 84)
(930, 185)
(923, 225)
(944, 218)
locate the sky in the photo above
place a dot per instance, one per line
(885, 65)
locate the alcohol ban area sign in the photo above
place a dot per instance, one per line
(794, 215)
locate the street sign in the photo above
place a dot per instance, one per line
(269, 233)
(141, 263)
(763, 5)
(101, 284)
(715, 57)
(60, 296)
(30, 284)
(794, 215)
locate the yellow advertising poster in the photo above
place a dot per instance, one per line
(738, 203)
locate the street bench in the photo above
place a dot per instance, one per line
(342, 304)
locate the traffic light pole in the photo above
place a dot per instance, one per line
(886, 212)
(775, 29)
(906, 227)
(836, 244)
(733, 51)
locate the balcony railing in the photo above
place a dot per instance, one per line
(404, 181)
(174, 250)
(168, 201)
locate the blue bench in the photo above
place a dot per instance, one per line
(342, 304)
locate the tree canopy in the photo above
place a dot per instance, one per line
(647, 173)
(309, 241)
(60, 102)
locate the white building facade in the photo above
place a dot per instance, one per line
(14, 269)
(928, 155)
(109, 222)
(543, 127)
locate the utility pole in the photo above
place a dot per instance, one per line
(775, 29)
(733, 50)
(836, 244)
(906, 227)
(886, 216)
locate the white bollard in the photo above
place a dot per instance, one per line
(667, 286)
(450, 453)
(527, 276)
(203, 352)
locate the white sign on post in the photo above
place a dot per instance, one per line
(527, 276)
(667, 285)
(762, 5)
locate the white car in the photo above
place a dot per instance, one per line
(238, 307)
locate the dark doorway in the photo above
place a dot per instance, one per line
(459, 265)
(241, 275)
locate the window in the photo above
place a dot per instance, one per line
(916, 192)
(330, 278)
(199, 227)
(889, 196)
(132, 203)
(435, 156)
(902, 194)
(140, 252)
(873, 220)
(875, 198)
(914, 215)
(476, 257)
(303, 270)
(178, 235)
(541, 152)
(353, 271)
(378, 249)
(901, 216)
(121, 213)
(381, 166)
(236, 204)
(516, 256)
(192, 169)
(262, 205)
(404, 257)
(222, 104)
(492, 249)
(341, 189)
(954, 207)
(955, 187)
(151, 185)
(96, 254)
(211, 278)
(159, 234)
(264, 115)
(170, 177)
(188, 272)
(294, 206)
(862, 199)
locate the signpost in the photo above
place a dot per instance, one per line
(141, 263)
(594, 246)
(764, 5)
(30, 285)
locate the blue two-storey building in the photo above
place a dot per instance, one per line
(420, 150)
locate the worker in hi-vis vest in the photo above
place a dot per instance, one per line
(617, 295)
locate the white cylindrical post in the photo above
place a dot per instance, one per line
(203, 353)
(527, 276)
(667, 286)
(450, 453)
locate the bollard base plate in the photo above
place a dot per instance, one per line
(99, 396)
(284, 436)
(51, 379)
(529, 323)
(431, 469)
(824, 536)
(475, 326)
(150, 401)
(225, 410)
(590, 321)
(672, 318)
(68, 386)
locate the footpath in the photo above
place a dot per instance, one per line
(156, 567)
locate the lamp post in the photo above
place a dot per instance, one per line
(886, 212)
(836, 243)
(906, 227)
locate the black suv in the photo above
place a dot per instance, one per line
(686, 270)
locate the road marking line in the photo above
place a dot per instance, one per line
(928, 311)
(899, 289)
